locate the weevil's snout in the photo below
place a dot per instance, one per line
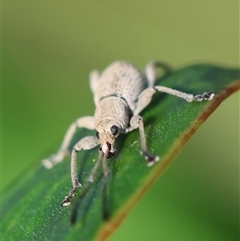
(107, 149)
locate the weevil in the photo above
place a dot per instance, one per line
(120, 93)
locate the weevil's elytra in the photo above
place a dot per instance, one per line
(120, 93)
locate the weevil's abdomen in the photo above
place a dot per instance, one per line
(120, 79)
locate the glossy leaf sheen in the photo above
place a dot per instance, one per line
(31, 205)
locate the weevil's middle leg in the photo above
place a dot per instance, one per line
(86, 143)
(137, 122)
(83, 122)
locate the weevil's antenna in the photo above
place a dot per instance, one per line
(90, 180)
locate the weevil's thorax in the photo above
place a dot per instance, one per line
(111, 119)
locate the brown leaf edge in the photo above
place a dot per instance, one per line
(110, 226)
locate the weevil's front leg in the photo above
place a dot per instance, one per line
(85, 143)
(137, 122)
(83, 122)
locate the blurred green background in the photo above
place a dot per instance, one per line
(49, 48)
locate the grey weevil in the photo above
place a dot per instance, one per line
(120, 92)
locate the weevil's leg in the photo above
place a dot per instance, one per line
(67, 200)
(94, 82)
(137, 122)
(151, 71)
(186, 96)
(83, 122)
(89, 182)
(151, 74)
(86, 143)
(145, 97)
(94, 78)
(79, 200)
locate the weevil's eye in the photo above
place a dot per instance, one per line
(97, 134)
(114, 130)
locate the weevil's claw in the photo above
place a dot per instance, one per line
(151, 159)
(204, 96)
(209, 95)
(68, 199)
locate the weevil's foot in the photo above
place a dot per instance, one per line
(54, 159)
(204, 96)
(151, 159)
(48, 163)
(68, 199)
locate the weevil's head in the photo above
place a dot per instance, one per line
(107, 138)
(111, 118)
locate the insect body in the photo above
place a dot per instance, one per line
(120, 92)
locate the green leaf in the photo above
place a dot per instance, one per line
(31, 205)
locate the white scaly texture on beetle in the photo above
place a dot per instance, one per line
(120, 93)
